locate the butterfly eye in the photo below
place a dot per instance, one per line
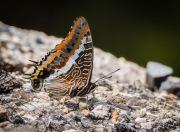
(44, 74)
(36, 84)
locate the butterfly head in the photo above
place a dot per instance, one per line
(37, 80)
(37, 77)
(37, 84)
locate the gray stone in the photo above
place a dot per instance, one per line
(140, 120)
(143, 112)
(87, 122)
(157, 73)
(99, 129)
(27, 107)
(147, 125)
(123, 127)
(29, 117)
(99, 112)
(172, 85)
(133, 115)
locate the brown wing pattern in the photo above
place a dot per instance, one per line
(67, 69)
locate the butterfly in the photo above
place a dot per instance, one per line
(67, 69)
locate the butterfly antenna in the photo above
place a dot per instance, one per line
(31, 65)
(101, 79)
(107, 76)
(34, 61)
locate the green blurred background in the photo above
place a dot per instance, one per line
(140, 31)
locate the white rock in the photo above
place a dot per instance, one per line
(140, 120)
(133, 115)
(28, 107)
(147, 125)
(98, 129)
(143, 112)
(31, 118)
(99, 107)
(156, 69)
(99, 112)
(40, 104)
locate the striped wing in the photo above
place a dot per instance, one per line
(71, 68)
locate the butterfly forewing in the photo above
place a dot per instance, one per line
(69, 65)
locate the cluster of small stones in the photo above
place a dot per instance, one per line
(123, 104)
(8, 82)
(116, 107)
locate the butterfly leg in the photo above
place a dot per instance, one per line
(64, 99)
(87, 102)
(83, 102)
(92, 92)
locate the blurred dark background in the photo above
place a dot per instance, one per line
(140, 31)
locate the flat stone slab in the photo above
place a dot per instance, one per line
(157, 73)
(156, 69)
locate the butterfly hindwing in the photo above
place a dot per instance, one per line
(71, 69)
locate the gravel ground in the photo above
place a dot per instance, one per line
(121, 104)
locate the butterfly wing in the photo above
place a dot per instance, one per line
(79, 46)
(70, 63)
(63, 79)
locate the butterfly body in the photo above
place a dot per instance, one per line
(67, 69)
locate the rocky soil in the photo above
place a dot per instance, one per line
(123, 103)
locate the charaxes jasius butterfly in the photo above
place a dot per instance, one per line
(67, 69)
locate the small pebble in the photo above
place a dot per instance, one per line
(85, 112)
(147, 125)
(140, 120)
(4, 124)
(66, 110)
(114, 115)
(143, 112)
